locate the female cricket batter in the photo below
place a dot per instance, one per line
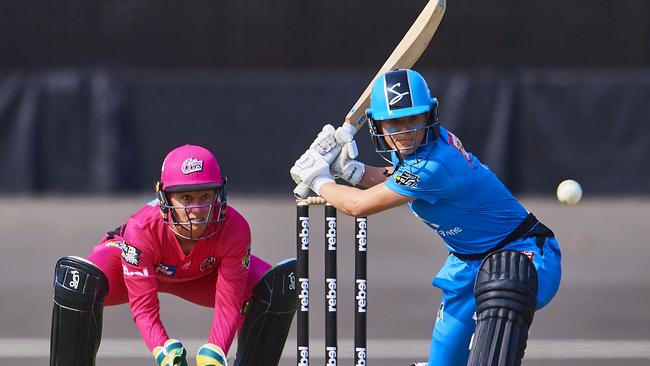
(187, 243)
(503, 264)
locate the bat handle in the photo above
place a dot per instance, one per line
(301, 191)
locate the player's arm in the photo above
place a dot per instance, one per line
(230, 292)
(375, 175)
(356, 202)
(230, 288)
(142, 287)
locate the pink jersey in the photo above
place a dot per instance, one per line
(152, 262)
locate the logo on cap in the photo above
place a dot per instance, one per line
(192, 165)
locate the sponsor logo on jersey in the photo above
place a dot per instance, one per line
(455, 142)
(131, 254)
(246, 261)
(192, 165)
(208, 263)
(407, 179)
(166, 269)
(440, 316)
(128, 273)
(451, 232)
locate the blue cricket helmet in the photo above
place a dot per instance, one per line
(400, 93)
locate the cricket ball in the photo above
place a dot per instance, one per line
(569, 192)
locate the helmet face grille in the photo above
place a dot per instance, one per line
(216, 213)
(185, 229)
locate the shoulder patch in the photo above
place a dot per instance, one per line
(246, 261)
(407, 179)
(455, 142)
(131, 254)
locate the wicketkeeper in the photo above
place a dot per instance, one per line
(189, 243)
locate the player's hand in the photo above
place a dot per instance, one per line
(312, 170)
(344, 166)
(211, 355)
(326, 144)
(172, 353)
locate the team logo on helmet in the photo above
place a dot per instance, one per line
(192, 165)
(398, 90)
(398, 96)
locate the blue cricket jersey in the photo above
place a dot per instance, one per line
(456, 195)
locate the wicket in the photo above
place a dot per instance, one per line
(360, 282)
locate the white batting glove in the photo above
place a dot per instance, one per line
(311, 169)
(326, 144)
(344, 166)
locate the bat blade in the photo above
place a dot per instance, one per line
(407, 52)
(404, 56)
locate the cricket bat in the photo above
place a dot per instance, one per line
(404, 56)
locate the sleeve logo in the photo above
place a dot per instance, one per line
(131, 254)
(455, 142)
(246, 261)
(407, 179)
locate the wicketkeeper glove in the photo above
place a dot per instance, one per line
(172, 353)
(211, 355)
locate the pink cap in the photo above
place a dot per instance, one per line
(190, 168)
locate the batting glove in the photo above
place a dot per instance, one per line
(211, 355)
(312, 170)
(326, 144)
(344, 166)
(172, 353)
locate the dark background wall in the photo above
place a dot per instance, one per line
(270, 34)
(93, 94)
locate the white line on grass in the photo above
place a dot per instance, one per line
(575, 349)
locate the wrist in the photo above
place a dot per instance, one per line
(318, 182)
